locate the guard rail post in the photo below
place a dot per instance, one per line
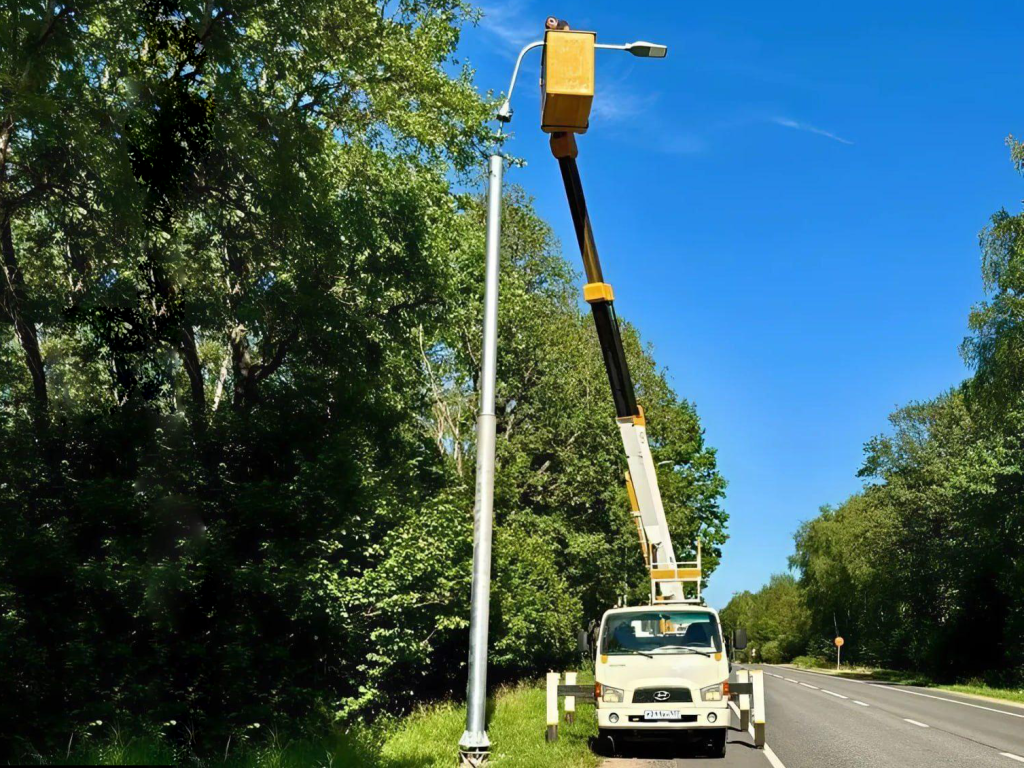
(552, 732)
(743, 676)
(570, 701)
(757, 677)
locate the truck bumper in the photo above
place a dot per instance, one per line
(630, 717)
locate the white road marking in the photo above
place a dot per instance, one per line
(834, 677)
(767, 751)
(791, 680)
(861, 703)
(837, 695)
(914, 722)
(943, 698)
(901, 689)
(808, 685)
(774, 760)
(1012, 756)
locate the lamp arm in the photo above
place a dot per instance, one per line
(505, 112)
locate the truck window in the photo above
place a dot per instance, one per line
(661, 631)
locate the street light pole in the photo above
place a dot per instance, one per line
(474, 746)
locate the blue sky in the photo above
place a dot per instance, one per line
(788, 207)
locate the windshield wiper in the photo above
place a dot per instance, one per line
(631, 652)
(686, 648)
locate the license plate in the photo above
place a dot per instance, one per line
(662, 714)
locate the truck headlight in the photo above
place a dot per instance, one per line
(714, 692)
(611, 695)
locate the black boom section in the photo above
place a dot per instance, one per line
(564, 148)
(614, 359)
(580, 217)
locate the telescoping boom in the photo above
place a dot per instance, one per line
(671, 580)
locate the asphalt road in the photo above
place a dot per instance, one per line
(820, 721)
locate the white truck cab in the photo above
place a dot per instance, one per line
(661, 670)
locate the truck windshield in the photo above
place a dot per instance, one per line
(661, 631)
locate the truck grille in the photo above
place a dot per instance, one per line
(657, 695)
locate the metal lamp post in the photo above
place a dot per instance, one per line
(474, 746)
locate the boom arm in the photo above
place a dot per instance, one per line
(667, 576)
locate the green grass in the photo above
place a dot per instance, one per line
(516, 729)
(978, 688)
(115, 746)
(903, 677)
(425, 739)
(809, 662)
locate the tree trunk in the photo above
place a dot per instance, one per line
(193, 367)
(12, 302)
(245, 384)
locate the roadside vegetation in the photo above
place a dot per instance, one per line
(239, 339)
(423, 739)
(922, 572)
(516, 729)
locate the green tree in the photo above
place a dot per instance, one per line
(559, 454)
(223, 229)
(240, 338)
(924, 568)
(775, 617)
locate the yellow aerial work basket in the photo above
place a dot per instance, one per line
(567, 80)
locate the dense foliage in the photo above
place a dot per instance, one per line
(775, 617)
(239, 335)
(924, 569)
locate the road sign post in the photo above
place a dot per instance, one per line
(839, 651)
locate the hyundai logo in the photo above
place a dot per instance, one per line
(662, 695)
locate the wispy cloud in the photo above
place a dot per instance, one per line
(797, 125)
(505, 22)
(614, 101)
(635, 118)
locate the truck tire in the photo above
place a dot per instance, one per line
(717, 742)
(604, 744)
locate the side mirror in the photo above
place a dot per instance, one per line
(582, 641)
(739, 639)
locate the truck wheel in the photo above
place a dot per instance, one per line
(716, 744)
(604, 744)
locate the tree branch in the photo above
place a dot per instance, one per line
(265, 370)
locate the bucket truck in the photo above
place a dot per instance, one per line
(661, 669)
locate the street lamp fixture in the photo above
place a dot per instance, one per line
(641, 49)
(646, 50)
